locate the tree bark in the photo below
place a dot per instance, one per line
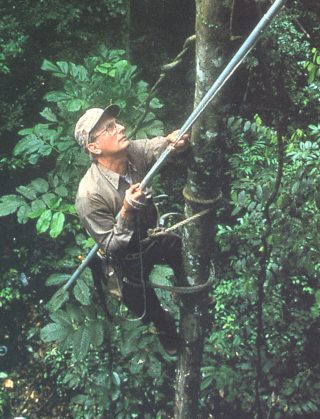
(205, 178)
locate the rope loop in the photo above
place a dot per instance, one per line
(199, 200)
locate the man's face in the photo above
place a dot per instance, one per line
(108, 139)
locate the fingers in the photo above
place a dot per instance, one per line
(135, 198)
(180, 145)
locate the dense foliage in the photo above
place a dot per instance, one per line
(261, 352)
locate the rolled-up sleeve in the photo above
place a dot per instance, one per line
(111, 232)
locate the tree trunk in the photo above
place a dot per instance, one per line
(205, 178)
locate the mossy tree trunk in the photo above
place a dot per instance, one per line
(204, 182)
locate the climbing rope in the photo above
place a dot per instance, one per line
(200, 200)
(158, 231)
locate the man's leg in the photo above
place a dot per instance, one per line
(142, 300)
(168, 250)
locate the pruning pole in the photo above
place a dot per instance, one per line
(234, 63)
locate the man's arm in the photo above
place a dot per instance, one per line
(112, 231)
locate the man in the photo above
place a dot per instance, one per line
(117, 213)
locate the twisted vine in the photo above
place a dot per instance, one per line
(165, 69)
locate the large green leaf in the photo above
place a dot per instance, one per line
(81, 341)
(9, 204)
(49, 199)
(37, 208)
(49, 115)
(75, 313)
(49, 66)
(27, 145)
(54, 332)
(57, 223)
(62, 317)
(97, 333)
(82, 292)
(57, 300)
(44, 221)
(57, 279)
(40, 185)
(61, 191)
(63, 66)
(56, 96)
(27, 191)
(74, 105)
(23, 214)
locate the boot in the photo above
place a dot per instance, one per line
(167, 333)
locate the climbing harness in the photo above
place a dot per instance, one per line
(160, 231)
(197, 112)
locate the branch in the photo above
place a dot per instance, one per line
(164, 70)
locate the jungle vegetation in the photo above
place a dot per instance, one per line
(258, 339)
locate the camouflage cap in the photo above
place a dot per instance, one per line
(90, 120)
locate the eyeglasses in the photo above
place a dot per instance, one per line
(110, 129)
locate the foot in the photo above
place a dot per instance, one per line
(167, 334)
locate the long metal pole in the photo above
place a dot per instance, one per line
(199, 109)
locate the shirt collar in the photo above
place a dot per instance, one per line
(114, 177)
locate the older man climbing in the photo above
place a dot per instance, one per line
(117, 213)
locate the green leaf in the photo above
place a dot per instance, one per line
(116, 378)
(154, 370)
(161, 273)
(45, 149)
(44, 221)
(53, 202)
(74, 312)
(57, 279)
(247, 126)
(27, 192)
(37, 208)
(82, 292)
(54, 332)
(49, 115)
(74, 105)
(97, 333)
(61, 191)
(62, 317)
(9, 204)
(81, 342)
(23, 214)
(49, 199)
(27, 145)
(206, 382)
(40, 185)
(242, 198)
(80, 399)
(63, 66)
(56, 96)
(57, 223)
(155, 103)
(49, 66)
(57, 300)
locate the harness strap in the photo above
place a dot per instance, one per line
(176, 289)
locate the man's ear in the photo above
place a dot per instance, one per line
(94, 148)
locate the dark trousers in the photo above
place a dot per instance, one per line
(165, 249)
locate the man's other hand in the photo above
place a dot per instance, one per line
(180, 145)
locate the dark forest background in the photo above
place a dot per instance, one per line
(61, 358)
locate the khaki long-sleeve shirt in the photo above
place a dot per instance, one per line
(101, 193)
